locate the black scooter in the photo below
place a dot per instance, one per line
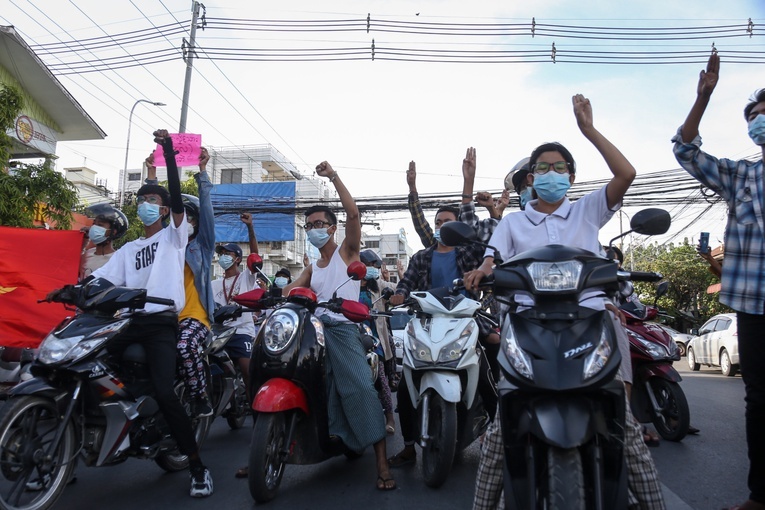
(562, 410)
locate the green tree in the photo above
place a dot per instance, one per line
(687, 299)
(11, 103)
(29, 190)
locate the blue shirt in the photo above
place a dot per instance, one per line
(739, 183)
(444, 269)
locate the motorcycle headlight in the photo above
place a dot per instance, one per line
(555, 276)
(420, 351)
(517, 356)
(56, 350)
(319, 327)
(454, 350)
(597, 359)
(654, 349)
(281, 328)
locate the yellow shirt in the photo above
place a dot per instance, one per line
(193, 308)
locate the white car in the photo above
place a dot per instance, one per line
(716, 345)
(681, 339)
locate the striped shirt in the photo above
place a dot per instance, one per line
(739, 183)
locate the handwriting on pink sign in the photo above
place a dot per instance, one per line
(188, 147)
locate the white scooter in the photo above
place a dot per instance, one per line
(441, 363)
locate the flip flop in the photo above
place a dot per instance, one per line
(383, 484)
(399, 460)
(242, 472)
(390, 429)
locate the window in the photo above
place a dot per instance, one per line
(231, 176)
(373, 244)
(134, 176)
(708, 327)
(722, 324)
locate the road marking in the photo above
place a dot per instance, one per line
(673, 501)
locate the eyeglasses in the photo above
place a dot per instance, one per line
(542, 168)
(151, 199)
(316, 224)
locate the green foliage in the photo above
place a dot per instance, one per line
(689, 276)
(11, 103)
(189, 187)
(29, 189)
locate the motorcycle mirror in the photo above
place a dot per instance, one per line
(455, 233)
(662, 289)
(357, 270)
(254, 261)
(650, 222)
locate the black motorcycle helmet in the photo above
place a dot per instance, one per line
(113, 216)
(191, 204)
(369, 257)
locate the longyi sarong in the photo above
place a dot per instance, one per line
(354, 410)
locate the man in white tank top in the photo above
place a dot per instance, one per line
(355, 413)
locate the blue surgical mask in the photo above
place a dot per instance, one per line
(525, 197)
(281, 281)
(148, 213)
(318, 237)
(437, 234)
(552, 186)
(226, 261)
(97, 234)
(372, 273)
(757, 130)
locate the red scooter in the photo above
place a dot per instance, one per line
(288, 378)
(656, 393)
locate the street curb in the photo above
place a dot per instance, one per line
(673, 501)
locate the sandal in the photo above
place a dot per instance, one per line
(242, 472)
(402, 459)
(390, 429)
(385, 484)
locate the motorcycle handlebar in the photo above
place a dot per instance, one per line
(645, 276)
(160, 301)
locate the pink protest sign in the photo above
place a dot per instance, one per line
(188, 147)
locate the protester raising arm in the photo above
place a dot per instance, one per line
(421, 225)
(162, 137)
(247, 220)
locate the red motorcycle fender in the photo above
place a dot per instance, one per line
(663, 371)
(278, 395)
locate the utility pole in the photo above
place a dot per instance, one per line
(188, 57)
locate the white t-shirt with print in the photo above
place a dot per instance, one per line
(155, 264)
(235, 285)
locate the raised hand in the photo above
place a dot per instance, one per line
(151, 168)
(468, 164)
(204, 157)
(411, 177)
(708, 79)
(484, 199)
(162, 137)
(582, 111)
(324, 169)
(246, 218)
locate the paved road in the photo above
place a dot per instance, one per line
(704, 472)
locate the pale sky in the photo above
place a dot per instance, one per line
(370, 118)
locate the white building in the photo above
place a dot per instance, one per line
(90, 190)
(391, 248)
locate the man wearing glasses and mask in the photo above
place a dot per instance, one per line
(352, 404)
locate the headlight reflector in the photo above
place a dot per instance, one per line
(280, 329)
(555, 276)
(598, 358)
(517, 356)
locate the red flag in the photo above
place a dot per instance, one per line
(32, 263)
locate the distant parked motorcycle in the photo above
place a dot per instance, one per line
(656, 393)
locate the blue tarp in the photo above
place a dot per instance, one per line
(264, 200)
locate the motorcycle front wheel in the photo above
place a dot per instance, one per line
(565, 479)
(266, 465)
(32, 477)
(438, 453)
(673, 418)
